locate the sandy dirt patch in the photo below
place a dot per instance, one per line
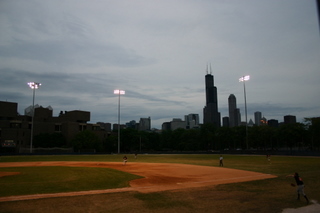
(157, 176)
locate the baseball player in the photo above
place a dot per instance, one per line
(300, 186)
(221, 161)
(125, 160)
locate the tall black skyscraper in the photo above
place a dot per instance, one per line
(210, 111)
(234, 112)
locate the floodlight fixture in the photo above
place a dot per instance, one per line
(34, 85)
(119, 92)
(244, 78)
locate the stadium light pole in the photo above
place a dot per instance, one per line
(33, 86)
(244, 79)
(119, 92)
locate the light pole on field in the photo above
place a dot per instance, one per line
(119, 92)
(33, 86)
(244, 79)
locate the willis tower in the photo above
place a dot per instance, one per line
(210, 111)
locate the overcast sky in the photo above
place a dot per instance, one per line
(158, 51)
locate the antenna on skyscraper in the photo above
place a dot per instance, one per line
(210, 69)
(207, 69)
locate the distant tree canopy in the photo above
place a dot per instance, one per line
(86, 140)
(46, 140)
(207, 137)
(314, 131)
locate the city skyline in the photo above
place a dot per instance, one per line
(157, 52)
(193, 118)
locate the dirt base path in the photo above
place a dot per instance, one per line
(158, 177)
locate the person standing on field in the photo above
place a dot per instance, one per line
(300, 186)
(221, 160)
(269, 158)
(125, 159)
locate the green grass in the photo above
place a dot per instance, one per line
(54, 179)
(159, 201)
(270, 195)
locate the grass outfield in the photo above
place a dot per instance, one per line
(270, 195)
(54, 179)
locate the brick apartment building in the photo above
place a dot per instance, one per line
(15, 129)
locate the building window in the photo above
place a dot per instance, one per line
(57, 127)
(15, 125)
(95, 127)
(82, 127)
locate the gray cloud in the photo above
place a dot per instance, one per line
(68, 52)
(157, 52)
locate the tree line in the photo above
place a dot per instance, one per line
(301, 136)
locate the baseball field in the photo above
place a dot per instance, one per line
(155, 183)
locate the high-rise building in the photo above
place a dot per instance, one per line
(131, 124)
(257, 118)
(234, 112)
(263, 121)
(210, 111)
(177, 123)
(192, 121)
(289, 119)
(273, 123)
(225, 122)
(238, 117)
(250, 123)
(166, 126)
(145, 124)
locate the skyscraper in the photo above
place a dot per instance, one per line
(289, 119)
(225, 122)
(192, 121)
(234, 112)
(210, 111)
(257, 118)
(145, 124)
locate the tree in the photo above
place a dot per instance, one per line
(111, 144)
(47, 140)
(292, 134)
(189, 140)
(239, 137)
(143, 140)
(129, 140)
(177, 139)
(153, 141)
(261, 137)
(86, 140)
(314, 131)
(224, 137)
(207, 140)
(166, 140)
